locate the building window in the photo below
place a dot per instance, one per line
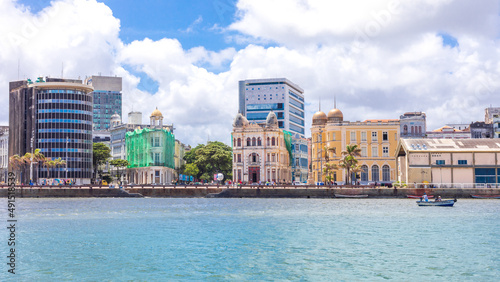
(333, 136)
(254, 141)
(385, 151)
(363, 136)
(374, 151)
(239, 142)
(268, 141)
(405, 129)
(374, 136)
(385, 136)
(462, 162)
(249, 142)
(259, 142)
(375, 173)
(239, 158)
(273, 141)
(440, 162)
(386, 173)
(364, 153)
(353, 137)
(364, 173)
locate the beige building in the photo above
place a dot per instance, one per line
(180, 151)
(377, 140)
(261, 152)
(449, 162)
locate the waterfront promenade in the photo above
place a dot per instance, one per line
(245, 191)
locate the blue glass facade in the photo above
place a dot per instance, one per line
(106, 103)
(64, 130)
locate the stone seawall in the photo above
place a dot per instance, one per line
(245, 192)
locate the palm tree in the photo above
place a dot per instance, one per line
(354, 170)
(329, 170)
(49, 164)
(349, 160)
(59, 163)
(17, 163)
(35, 158)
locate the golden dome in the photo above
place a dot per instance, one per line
(335, 115)
(156, 113)
(319, 118)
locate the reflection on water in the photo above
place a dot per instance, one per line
(256, 239)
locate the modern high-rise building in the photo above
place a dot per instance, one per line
(258, 97)
(107, 99)
(55, 116)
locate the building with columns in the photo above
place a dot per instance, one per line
(150, 152)
(377, 140)
(261, 152)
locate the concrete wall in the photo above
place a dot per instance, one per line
(221, 192)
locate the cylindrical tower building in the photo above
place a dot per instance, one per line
(63, 127)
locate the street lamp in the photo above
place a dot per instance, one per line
(67, 140)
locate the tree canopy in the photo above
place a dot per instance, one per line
(215, 157)
(101, 153)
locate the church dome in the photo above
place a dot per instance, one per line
(335, 115)
(319, 118)
(156, 113)
(240, 121)
(271, 119)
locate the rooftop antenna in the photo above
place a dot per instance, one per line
(319, 104)
(334, 101)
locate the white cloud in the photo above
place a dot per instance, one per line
(380, 59)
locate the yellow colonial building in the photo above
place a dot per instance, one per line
(261, 152)
(377, 140)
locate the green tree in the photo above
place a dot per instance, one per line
(191, 169)
(119, 163)
(215, 157)
(349, 161)
(100, 153)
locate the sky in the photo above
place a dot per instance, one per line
(380, 58)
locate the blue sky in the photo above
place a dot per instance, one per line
(193, 22)
(380, 58)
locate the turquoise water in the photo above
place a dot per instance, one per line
(155, 239)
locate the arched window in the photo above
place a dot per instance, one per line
(239, 142)
(386, 173)
(255, 157)
(364, 173)
(412, 130)
(273, 141)
(375, 173)
(254, 141)
(405, 129)
(248, 142)
(259, 142)
(234, 142)
(268, 141)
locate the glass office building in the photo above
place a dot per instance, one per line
(55, 116)
(257, 97)
(107, 99)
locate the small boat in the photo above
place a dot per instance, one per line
(350, 196)
(444, 203)
(486, 196)
(418, 197)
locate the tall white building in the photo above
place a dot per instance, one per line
(258, 97)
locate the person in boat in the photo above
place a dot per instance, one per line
(438, 199)
(426, 199)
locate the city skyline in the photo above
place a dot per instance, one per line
(381, 60)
